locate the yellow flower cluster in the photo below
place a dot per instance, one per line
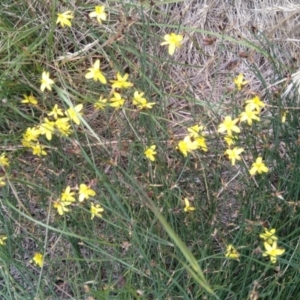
(67, 197)
(229, 126)
(64, 19)
(192, 141)
(121, 82)
(59, 123)
(270, 244)
(95, 73)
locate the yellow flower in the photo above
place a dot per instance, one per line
(117, 101)
(283, 116)
(38, 259)
(228, 125)
(55, 112)
(72, 113)
(38, 149)
(150, 152)
(255, 103)
(249, 115)
(145, 104)
(96, 210)
(3, 238)
(95, 73)
(234, 154)
(269, 236)
(194, 130)
(173, 40)
(2, 182)
(63, 126)
(98, 13)
(231, 252)
(85, 192)
(121, 82)
(229, 140)
(101, 103)
(239, 81)
(47, 128)
(272, 251)
(31, 134)
(29, 99)
(201, 143)
(188, 207)
(138, 98)
(64, 18)
(4, 162)
(187, 145)
(140, 101)
(46, 81)
(67, 195)
(61, 206)
(258, 167)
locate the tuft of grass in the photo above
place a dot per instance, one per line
(145, 245)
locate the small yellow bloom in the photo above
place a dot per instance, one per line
(228, 125)
(150, 152)
(2, 182)
(29, 99)
(47, 128)
(195, 131)
(72, 113)
(229, 140)
(188, 207)
(38, 149)
(145, 105)
(117, 101)
(239, 81)
(96, 211)
(38, 259)
(101, 103)
(121, 82)
(140, 101)
(31, 134)
(187, 145)
(234, 154)
(61, 206)
(85, 192)
(231, 252)
(201, 143)
(138, 98)
(269, 236)
(46, 81)
(4, 162)
(55, 112)
(272, 251)
(3, 238)
(64, 18)
(67, 195)
(63, 126)
(258, 167)
(249, 115)
(255, 103)
(95, 73)
(98, 13)
(173, 40)
(283, 116)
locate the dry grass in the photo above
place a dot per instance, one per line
(219, 59)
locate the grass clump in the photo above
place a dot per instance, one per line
(125, 174)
